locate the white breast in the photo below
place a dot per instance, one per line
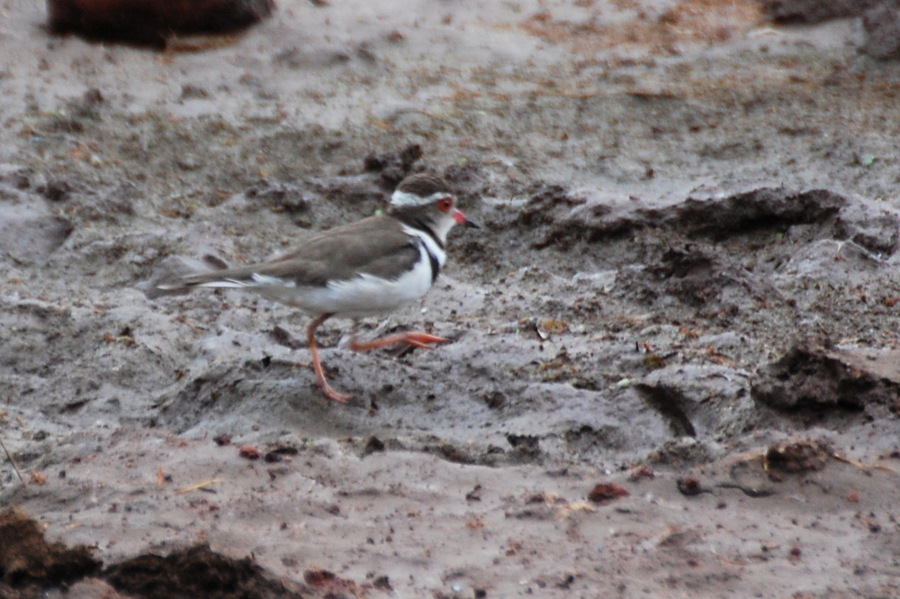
(432, 246)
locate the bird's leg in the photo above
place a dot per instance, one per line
(413, 338)
(317, 364)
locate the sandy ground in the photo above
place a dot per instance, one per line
(673, 366)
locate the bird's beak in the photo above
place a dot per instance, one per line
(462, 219)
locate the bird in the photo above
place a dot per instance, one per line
(365, 268)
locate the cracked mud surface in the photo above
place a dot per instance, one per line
(673, 362)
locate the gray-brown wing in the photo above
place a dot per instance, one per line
(376, 245)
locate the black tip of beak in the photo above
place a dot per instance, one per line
(471, 224)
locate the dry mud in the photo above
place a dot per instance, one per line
(673, 365)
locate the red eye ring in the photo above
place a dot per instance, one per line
(445, 204)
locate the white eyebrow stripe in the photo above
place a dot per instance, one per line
(404, 198)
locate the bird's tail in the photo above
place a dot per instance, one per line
(217, 278)
(177, 276)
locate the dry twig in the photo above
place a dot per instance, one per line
(13, 462)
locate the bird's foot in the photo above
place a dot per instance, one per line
(411, 338)
(331, 393)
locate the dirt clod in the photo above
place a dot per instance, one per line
(152, 21)
(194, 572)
(606, 492)
(797, 457)
(29, 560)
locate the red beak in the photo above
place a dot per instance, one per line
(462, 219)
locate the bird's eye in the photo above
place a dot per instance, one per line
(445, 204)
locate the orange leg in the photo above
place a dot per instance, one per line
(317, 364)
(410, 338)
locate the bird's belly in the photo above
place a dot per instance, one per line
(363, 295)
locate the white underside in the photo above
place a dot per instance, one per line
(364, 295)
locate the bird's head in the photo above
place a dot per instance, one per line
(427, 199)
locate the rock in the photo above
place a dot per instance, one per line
(828, 259)
(815, 378)
(701, 277)
(591, 216)
(393, 166)
(29, 235)
(878, 233)
(881, 19)
(882, 25)
(699, 400)
(280, 197)
(814, 11)
(764, 208)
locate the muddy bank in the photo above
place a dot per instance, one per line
(673, 348)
